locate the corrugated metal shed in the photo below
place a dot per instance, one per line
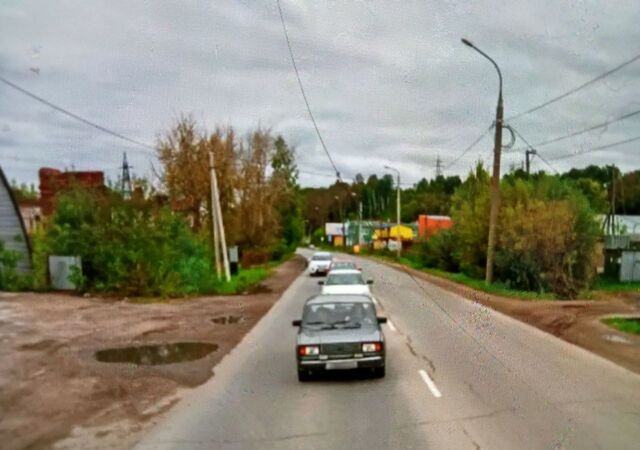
(12, 230)
(630, 266)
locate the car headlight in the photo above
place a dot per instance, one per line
(308, 350)
(372, 347)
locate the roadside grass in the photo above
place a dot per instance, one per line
(627, 325)
(499, 289)
(244, 281)
(609, 285)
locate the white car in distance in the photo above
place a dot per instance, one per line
(320, 263)
(346, 282)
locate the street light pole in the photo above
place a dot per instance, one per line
(398, 239)
(344, 238)
(495, 181)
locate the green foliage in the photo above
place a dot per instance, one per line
(130, 247)
(547, 234)
(627, 325)
(10, 279)
(470, 212)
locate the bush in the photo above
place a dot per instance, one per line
(547, 237)
(127, 246)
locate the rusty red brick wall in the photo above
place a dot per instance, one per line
(52, 181)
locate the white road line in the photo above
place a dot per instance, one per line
(375, 302)
(391, 325)
(430, 384)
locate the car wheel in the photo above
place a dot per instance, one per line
(304, 375)
(379, 372)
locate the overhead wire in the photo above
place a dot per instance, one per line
(586, 130)
(576, 89)
(468, 149)
(74, 115)
(536, 151)
(595, 149)
(302, 91)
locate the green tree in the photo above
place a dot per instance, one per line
(285, 182)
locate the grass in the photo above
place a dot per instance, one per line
(245, 280)
(495, 288)
(627, 325)
(609, 285)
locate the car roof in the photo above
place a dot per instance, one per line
(322, 253)
(345, 271)
(339, 298)
(343, 261)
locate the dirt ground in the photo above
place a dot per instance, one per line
(55, 394)
(575, 321)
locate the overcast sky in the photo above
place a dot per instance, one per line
(389, 82)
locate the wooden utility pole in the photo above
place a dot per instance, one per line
(214, 220)
(223, 239)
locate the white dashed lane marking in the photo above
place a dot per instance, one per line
(430, 384)
(391, 325)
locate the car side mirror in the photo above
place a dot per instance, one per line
(382, 320)
(298, 322)
(320, 283)
(369, 281)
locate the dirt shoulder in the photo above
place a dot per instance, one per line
(576, 321)
(55, 394)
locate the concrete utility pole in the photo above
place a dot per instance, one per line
(398, 237)
(214, 220)
(360, 223)
(218, 213)
(529, 153)
(344, 238)
(495, 181)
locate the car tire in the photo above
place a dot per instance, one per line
(379, 372)
(304, 375)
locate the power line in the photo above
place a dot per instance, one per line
(302, 91)
(536, 152)
(576, 89)
(468, 149)
(586, 130)
(73, 115)
(595, 149)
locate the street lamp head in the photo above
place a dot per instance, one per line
(467, 42)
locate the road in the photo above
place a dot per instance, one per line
(459, 376)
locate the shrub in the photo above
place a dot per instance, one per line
(128, 246)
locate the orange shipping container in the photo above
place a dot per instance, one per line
(430, 225)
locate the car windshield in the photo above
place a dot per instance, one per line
(321, 258)
(344, 278)
(339, 315)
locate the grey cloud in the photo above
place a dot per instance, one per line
(389, 82)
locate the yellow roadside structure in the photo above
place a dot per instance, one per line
(406, 233)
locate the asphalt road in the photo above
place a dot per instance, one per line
(459, 376)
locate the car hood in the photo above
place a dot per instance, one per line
(308, 336)
(346, 289)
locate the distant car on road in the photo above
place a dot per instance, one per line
(342, 264)
(319, 263)
(348, 281)
(339, 332)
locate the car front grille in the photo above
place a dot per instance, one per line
(341, 348)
